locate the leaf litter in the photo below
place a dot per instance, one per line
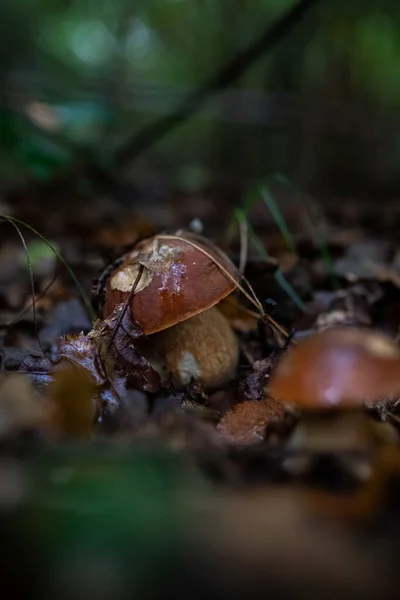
(92, 385)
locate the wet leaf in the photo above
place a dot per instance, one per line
(82, 350)
(119, 344)
(38, 369)
(253, 385)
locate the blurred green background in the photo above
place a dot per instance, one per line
(78, 78)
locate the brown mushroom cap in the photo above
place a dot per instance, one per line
(177, 282)
(338, 368)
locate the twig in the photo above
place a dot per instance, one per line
(225, 76)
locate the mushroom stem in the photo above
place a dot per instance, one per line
(203, 348)
(330, 431)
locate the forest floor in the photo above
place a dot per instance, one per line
(176, 490)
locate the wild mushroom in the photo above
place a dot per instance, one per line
(172, 284)
(335, 374)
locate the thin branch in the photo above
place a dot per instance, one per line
(224, 77)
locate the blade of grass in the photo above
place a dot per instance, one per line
(27, 308)
(316, 232)
(240, 216)
(262, 191)
(244, 245)
(84, 296)
(278, 275)
(279, 219)
(320, 242)
(32, 286)
(251, 198)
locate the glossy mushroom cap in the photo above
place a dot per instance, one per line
(338, 368)
(177, 282)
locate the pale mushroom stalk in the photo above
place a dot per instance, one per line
(330, 377)
(202, 348)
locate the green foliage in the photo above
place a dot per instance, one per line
(279, 219)
(377, 56)
(99, 505)
(86, 61)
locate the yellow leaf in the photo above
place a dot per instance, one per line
(71, 398)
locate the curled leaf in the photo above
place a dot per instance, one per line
(118, 342)
(82, 350)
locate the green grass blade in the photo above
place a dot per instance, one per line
(317, 235)
(240, 215)
(320, 242)
(84, 296)
(279, 219)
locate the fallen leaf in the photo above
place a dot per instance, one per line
(71, 401)
(246, 422)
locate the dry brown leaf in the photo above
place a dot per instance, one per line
(246, 422)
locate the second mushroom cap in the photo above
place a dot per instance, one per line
(340, 367)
